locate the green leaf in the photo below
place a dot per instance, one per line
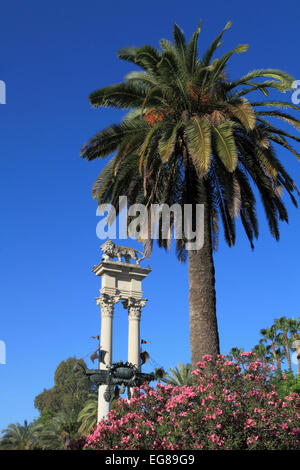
(214, 45)
(244, 112)
(285, 117)
(105, 174)
(166, 45)
(283, 77)
(224, 59)
(225, 144)
(179, 40)
(199, 143)
(127, 53)
(147, 141)
(192, 50)
(148, 57)
(167, 143)
(122, 95)
(276, 104)
(108, 140)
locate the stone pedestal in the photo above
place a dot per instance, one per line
(119, 281)
(123, 279)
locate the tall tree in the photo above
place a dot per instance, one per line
(284, 325)
(263, 352)
(19, 436)
(235, 354)
(60, 430)
(192, 137)
(70, 392)
(269, 334)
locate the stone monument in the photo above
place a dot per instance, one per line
(121, 281)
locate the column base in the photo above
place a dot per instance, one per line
(103, 405)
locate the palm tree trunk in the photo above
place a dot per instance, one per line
(275, 356)
(288, 357)
(204, 338)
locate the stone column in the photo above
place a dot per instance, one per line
(107, 304)
(134, 307)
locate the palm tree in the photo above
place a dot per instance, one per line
(88, 415)
(159, 374)
(191, 137)
(179, 375)
(270, 334)
(285, 325)
(62, 428)
(235, 354)
(19, 437)
(284, 348)
(263, 352)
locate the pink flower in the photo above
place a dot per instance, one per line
(207, 358)
(245, 354)
(251, 440)
(195, 417)
(249, 423)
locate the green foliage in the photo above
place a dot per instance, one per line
(48, 400)
(190, 131)
(59, 431)
(45, 416)
(58, 423)
(88, 415)
(59, 406)
(69, 409)
(275, 348)
(179, 375)
(286, 383)
(19, 437)
(229, 410)
(71, 389)
(281, 336)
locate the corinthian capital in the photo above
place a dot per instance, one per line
(107, 303)
(134, 307)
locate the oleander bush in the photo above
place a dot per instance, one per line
(235, 407)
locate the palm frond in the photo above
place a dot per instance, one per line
(225, 145)
(199, 143)
(243, 111)
(192, 50)
(214, 45)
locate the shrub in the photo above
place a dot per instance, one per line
(229, 409)
(77, 444)
(286, 383)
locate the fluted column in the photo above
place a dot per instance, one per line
(134, 307)
(107, 303)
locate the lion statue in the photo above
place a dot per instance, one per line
(111, 250)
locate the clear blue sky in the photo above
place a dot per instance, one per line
(53, 54)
